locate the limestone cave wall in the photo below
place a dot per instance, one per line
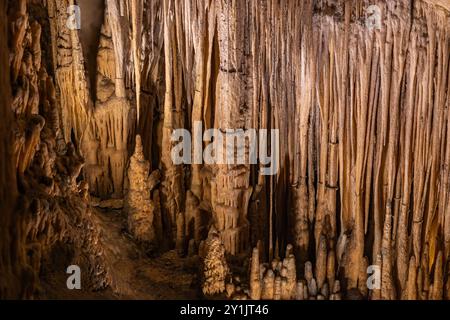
(363, 151)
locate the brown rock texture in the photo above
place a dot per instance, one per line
(52, 204)
(215, 268)
(359, 92)
(142, 210)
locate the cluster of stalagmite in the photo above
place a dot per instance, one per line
(278, 280)
(142, 208)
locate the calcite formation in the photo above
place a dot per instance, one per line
(215, 268)
(358, 91)
(52, 203)
(144, 221)
(278, 280)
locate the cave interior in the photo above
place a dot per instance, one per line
(349, 103)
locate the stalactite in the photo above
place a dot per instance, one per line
(68, 60)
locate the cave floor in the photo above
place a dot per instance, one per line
(137, 276)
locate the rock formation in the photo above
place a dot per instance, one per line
(52, 203)
(144, 221)
(215, 268)
(278, 280)
(357, 90)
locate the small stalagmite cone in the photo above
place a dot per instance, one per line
(255, 280)
(321, 262)
(331, 267)
(312, 288)
(268, 286)
(438, 284)
(277, 288)
(291, 274)
(325, 291)
(285, 290)
(289, 250)
(308, 272)
(181, 234)
(362, 279)
(337, 286)
(411, 284)
(300, 291)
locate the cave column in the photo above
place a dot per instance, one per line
(231, 184)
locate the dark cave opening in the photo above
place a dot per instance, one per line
(92, 17)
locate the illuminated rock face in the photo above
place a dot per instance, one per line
(358, 92)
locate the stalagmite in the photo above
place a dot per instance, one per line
(321, 262)
(181, 233)
(438, 284)
(268, 286)
(215, 268)
(411, 285)
(277, 288)
(299, 292)
(255, 281)
(139, 204)
(289, 263)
